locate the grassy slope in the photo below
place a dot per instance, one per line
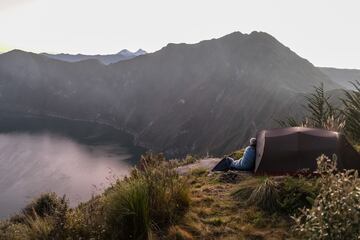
(216, 210)
(216, 214)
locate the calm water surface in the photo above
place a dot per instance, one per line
(68, 157)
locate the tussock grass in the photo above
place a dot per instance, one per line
(152, 198)
(127, 211)
(39, 228)
(265, 195)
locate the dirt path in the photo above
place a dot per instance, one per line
(207, 164)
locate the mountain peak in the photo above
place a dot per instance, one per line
(140, 52)
(125, 52)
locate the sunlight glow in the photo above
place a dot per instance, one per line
(323, 31)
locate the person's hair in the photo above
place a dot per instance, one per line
(253, 142)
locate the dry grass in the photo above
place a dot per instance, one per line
(215, 212)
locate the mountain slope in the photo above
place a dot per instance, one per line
(343, 77)
(105, 59)
(185, 98)
(213, 95)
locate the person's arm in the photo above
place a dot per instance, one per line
(248, 158)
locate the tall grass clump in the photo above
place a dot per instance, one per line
(151, 199)
(286, 195)
(128, 214)
(40, 228)
(335, 213)
(265, 195)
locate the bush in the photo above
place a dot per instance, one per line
(297, 193)
(33, 228)
(48, 204)
(153, 197)
(336, 210)
(13, 231)
(86, 221)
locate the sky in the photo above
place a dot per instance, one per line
(326, 32)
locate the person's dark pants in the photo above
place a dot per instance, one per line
(224, 164)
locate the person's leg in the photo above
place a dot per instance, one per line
(224, 164)
(231, 162)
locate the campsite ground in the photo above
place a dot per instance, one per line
(217, 213)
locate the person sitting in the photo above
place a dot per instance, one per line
(246, 163)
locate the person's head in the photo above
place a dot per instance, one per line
(253, 142)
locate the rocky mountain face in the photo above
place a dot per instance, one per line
(343, 77)
(185, 98)
(105, 59)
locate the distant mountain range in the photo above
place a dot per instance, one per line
(105, 59)
(185, 98)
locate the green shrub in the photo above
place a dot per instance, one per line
(336, 210)
(87, 220)
(13, 231)
(153, 197)
(47, 204)
(297, 193)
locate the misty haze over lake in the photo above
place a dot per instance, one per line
(34, 161)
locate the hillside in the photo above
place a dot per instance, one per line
(154, 202)
(342, 77)
(185, 98)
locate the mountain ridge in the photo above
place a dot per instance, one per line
(103, 58)
(207, 97)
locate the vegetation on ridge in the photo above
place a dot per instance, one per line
(322, 114)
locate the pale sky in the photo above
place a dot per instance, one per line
(326, 32)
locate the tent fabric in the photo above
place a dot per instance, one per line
(288, 150)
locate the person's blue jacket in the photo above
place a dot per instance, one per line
(247, 162)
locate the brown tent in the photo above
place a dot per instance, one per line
(288, 150)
